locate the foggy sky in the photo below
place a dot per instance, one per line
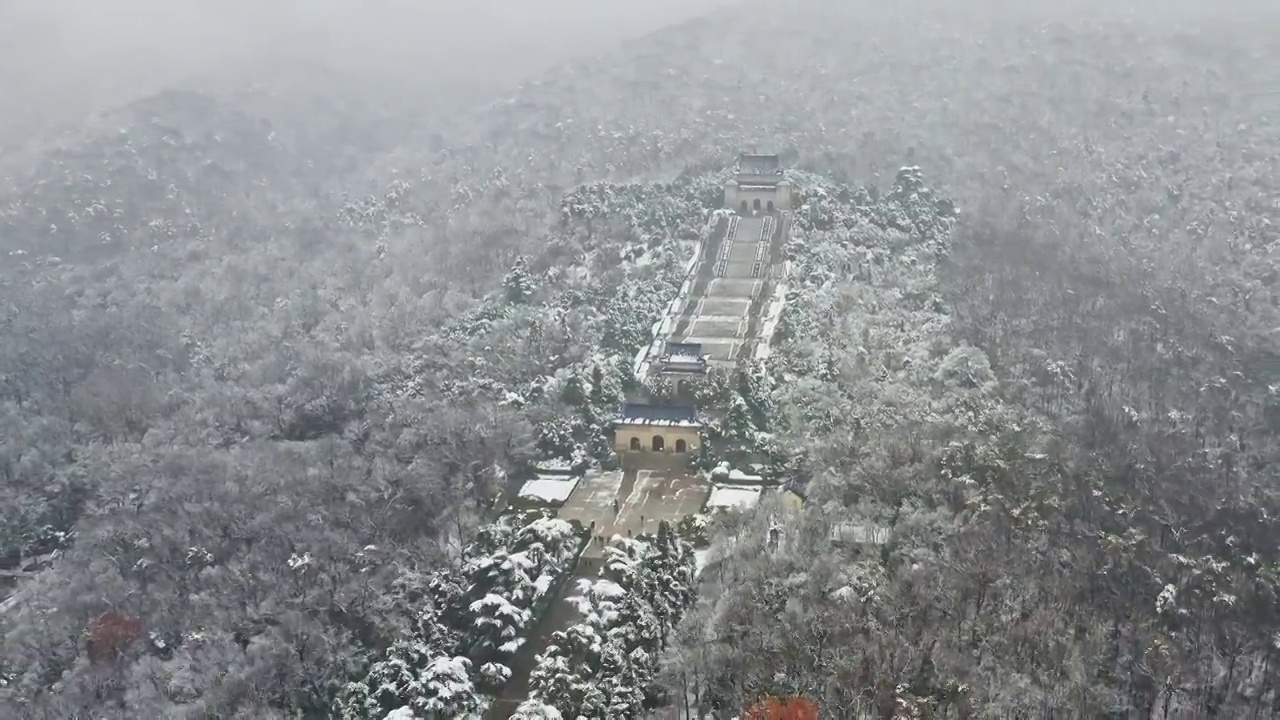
(62, 59)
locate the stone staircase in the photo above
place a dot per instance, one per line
(718, 311)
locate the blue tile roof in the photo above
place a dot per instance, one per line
(659, 414)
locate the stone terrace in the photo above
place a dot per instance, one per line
(644, 497)
(719, 310)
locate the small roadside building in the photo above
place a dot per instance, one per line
(669, 429)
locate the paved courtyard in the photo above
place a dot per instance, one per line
(644, 498)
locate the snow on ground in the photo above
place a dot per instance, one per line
(663, 328)
(549, 489)
(640, 366)
(700, 558)
(733, 496)
(723, 473)
(774, 314)
(543, 584)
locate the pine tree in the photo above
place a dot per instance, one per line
(557, 436)
(738, 425)
(390, 683)
(604, 667)
(574, 394)
(488, 540)
(491, 677)
(566, 670)
(432, 625)
(446, 690)
(927, 214)
(556, 540)
(518, 285)
(599, 397)
(536, 710)
(621, 685)
(410, 677)
(673, 569)
(636, 626)
(756, 388)
(498, 626)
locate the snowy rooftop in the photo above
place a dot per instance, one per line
(723, 473)
(554, 490)
(641, 414)
(683, 357)
(739, 476)
(733, 496)
(750, 164)
(684, 351)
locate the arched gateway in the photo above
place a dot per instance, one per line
(657, 429)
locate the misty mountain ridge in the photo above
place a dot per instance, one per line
(284, 346)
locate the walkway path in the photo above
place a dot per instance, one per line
(719, 312)
(645, 496)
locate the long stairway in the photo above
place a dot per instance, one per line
(717, 313)
(726, 246)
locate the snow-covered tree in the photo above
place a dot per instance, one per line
(519, 284)
(563, 677)
(390, 684)
(464, 632)
(447, 690)
(673, 567)
(557, 436)
(498, 625)
(574, 391)
(623, 677)
(536, 710)
(739, 424)
(505, 586)
(605, 666)
(491, 677)
(408, 678)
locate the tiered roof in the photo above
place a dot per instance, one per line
(683, 351)
(683, 358)
(668, 415)
(758, 172)
(750, 164)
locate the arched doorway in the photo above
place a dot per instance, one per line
(744, 207)
(681, 447)
(756, 204)
(770, 206)
(658, 443)
(635, 443)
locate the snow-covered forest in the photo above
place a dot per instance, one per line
(267, 357)
(470, 621)
(607, 664)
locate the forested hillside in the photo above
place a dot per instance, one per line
(265, 485)
(1048, 545)
(264, 364)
